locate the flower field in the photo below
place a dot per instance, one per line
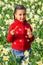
(35, 17)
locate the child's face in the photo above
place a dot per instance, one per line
(20, 15)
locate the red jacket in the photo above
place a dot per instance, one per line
(19, 39)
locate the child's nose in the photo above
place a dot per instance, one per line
(22, 16)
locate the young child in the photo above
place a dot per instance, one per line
(20, 33)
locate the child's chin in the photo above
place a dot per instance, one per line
(21, 20)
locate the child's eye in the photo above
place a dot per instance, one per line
(20, 14)
(24, 14)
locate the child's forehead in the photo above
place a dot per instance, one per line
(20, 10)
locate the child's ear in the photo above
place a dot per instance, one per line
(15, 15)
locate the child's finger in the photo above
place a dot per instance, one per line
(12, 31)
(28, 30)
(15, 28)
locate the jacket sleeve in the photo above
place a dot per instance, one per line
(10, 38)
(32, 38)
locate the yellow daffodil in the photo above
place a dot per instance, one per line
(1, 3)
(25, 0)
(36, 0)
(3, 8)
(7, 22)
(38, 11)
(6, 63)
(9, 6)
(31, 1)
(41, 21)
(33, 25)
(39, 3)
(38, 26)
(27, 18)
(33, 7)
(27, 60)
(1, 47)
(28, 10)
(0, 16)
(5, 1)
(42, 8)
(5, 57)
(26, 53)
(39, 62)
(1, 54)
(23, 63)
(7, 15)
(38, 40)
(5, 51)
(2, 28)
(42, 43)
(36, 17)
(12, 8)
(4, 32)
(30, 15)
(32, 20)
(0, 35)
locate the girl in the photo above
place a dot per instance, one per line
(20, 33)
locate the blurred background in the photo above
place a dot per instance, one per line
(34, 16)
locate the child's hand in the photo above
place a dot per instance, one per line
(29, 33)
(12, 32)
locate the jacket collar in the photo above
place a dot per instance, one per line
(22, 22)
